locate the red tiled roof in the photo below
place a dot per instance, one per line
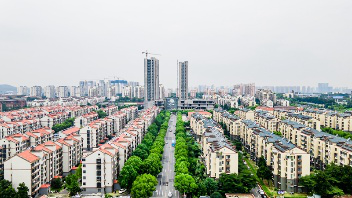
(28, 156)
(71, 130)
(45, 186)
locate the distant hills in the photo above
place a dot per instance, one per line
(7, 88)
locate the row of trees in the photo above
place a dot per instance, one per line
(334, 180)
(337, 132)
(66, 124)
(139, 173)
(7, 191)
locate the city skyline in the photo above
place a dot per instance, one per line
(239, 41)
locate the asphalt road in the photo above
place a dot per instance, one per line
(167, 176)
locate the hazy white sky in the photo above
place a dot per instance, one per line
(296, 42)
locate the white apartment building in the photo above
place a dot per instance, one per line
(36, 91)
(49, 91)
(288, 162)
(99, 170)
(62, 92)
(23, 90)
(72, 152)
(218, 154)
(34, 167)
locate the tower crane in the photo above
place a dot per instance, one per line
(146, 54)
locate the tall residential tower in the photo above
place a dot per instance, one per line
(182, 91)
(151, 81)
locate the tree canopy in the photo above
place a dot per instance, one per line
(144, 186)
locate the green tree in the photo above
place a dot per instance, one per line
(151, 165)
(127, 176)
(72, 185)
(135, 162)
(308, 182)
(79, 171)
(185, 183)
(211, 185)
(144, 186)
(216, 195)
(324, 185)
(264, 172)
(229, 183)
(143, 154)
(56, 184)
(6, 189)
(248, 182)
(101, 113)
(182, 168)
(22, 191)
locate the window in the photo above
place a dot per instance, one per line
(84, 183)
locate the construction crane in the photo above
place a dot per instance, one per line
(146, 54)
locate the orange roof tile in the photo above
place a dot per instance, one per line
(28, 156)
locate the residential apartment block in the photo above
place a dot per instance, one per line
(102, 165)
(287, 161)
(218, 154)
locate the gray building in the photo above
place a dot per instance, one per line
(182, 91)
(151, 81)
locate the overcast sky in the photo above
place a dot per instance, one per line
(297, 42)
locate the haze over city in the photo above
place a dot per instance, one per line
(228, 42)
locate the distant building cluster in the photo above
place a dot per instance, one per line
(102, 88)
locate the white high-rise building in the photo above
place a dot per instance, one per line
(23, 90)
(182, 91)
(151, 81)
(75, 91)
(162, 91)
(49, 91)
(36, 91)
(138, 92)
(62, 92)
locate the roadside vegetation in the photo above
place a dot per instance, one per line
(333, 181)
(139, 173)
